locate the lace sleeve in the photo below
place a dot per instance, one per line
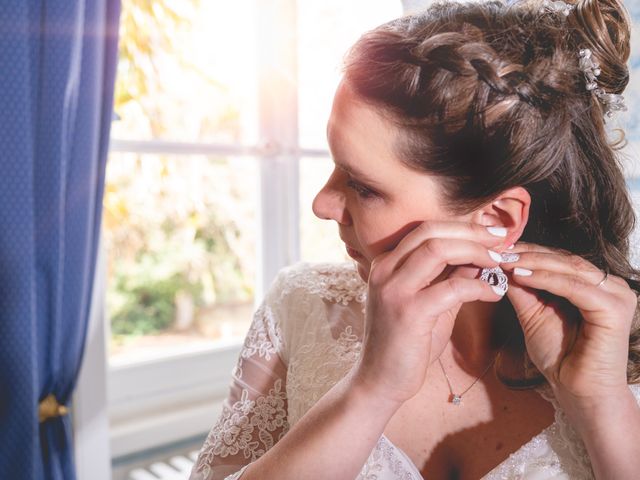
(254, 414)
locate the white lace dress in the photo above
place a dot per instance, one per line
(305, 336)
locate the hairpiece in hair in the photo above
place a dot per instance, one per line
(557, 6)
(612, 102)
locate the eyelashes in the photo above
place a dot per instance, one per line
(361, 190)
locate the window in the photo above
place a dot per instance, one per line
(218, 147)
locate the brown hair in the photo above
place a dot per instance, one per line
(490, 96)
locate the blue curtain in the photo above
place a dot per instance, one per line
(57, 70)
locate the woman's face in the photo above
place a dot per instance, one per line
(375, 199)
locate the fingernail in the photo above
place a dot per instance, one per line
(512, 245)
(495, 256)
(498, 290)
(508, 257)
(497, 231)
(523, 272)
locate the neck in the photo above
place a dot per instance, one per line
(478, 334)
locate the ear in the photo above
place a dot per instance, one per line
(510, 209)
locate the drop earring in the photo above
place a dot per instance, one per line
(495, 276)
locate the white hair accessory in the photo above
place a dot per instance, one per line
(557, 6)
(611, 101)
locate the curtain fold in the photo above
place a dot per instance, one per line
(58, 62)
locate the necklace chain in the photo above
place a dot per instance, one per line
(456, 398)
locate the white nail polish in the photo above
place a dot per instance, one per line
(498, 290)
(523, 272)
(495, 256)
(497, 231)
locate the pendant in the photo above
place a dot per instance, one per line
(456, 399)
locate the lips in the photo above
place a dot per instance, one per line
(353, 253)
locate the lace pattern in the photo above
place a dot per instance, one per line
(316, 367)
(234, 431)
(534, 460)
(319, 353)
(251, 424)
(386, 460)
(259, 339)
(339, 283)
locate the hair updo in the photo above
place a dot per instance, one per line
(489, 96)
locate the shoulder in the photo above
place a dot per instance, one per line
(293, 299)
(336, 282)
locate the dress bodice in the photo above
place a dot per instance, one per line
(305, 336)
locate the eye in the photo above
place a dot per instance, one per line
(361, 190)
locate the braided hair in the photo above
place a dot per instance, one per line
(489, 96)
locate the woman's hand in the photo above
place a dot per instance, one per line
(580, 344)
(415, 292)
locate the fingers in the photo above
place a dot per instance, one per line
(387, 263)
(442, 229)
(430, 258)
(542, 258)
(442, 297)
(556, 262)
(454, 291)
(563, 261)
(533, 247)
(578, 291)
(569, 276)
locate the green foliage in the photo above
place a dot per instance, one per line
(148, 304)
(175, 229)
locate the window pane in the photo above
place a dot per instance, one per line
(326, 30)
(180, 235)
(319, 239)
(186, 71)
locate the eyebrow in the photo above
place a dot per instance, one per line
(355, 173)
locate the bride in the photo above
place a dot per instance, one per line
(487, 326)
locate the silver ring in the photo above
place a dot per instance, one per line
(606, 275)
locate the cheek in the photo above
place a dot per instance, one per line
(373, 234)
(383, 236)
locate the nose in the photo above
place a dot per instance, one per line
(329, 204)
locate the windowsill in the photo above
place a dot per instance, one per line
(153, 431)
(160, 401)
(135, 357)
